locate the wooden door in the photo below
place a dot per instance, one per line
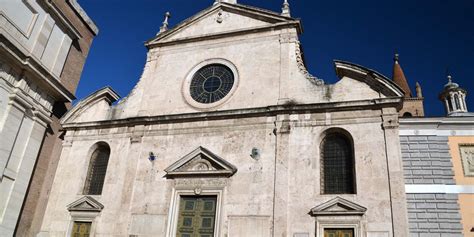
(338, 232)
(81, 229)
(197, 216)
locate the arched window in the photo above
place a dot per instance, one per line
(97, 169)
(337, 164)
(456, 101)
(407, 114)
(450, 104)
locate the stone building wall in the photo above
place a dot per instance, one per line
(427, 161)
(43, 48)
(276, 190)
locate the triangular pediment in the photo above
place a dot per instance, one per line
(338, 206)
(86, 203)
(200, 162)
(222, 19)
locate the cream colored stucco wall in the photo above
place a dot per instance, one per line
(466, 201)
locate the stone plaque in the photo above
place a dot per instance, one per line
(467, 158)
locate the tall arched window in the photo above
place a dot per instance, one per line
(456, 101)
(450, 104)
(337, 164)
(97, 169)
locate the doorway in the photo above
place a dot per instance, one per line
(338, 232)
(197, 215)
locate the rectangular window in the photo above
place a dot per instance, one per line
(197, 215)
(81, 229)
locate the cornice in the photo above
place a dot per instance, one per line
(223, 34)
(30, 65)
(239, 113)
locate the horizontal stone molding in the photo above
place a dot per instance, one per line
(421, 188)
(239, 113)
(436, 132)
(23, 61)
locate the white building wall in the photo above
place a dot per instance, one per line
(30, 28)
(24, 115)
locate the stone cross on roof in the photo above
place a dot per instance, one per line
(164, 27)
(285, 11)
(228, 1)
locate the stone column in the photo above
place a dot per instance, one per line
(398, 203)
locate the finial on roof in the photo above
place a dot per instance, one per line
(396, 57)
(164, 27)
(419, 93)
(216, 2)
(228, 1)
(285, 11)
(450, 79)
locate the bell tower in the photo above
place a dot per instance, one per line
(412, 104)
(454, 98)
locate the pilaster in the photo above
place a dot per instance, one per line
(390, 126)
(281, 182)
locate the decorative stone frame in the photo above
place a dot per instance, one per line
(175, 202)
(464, 161)
(86, 209)
(330, 222)
(187, 82)
(338, 213)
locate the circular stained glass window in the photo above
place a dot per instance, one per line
(211, 83)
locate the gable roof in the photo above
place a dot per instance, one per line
(201, 162)
(338, 206)
(274, 19)
(375, 80)
(106, 93)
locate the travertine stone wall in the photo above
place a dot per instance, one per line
(137, 193)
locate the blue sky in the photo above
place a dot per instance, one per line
(431, 36)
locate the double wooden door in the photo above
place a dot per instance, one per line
(338, 232)
(197, 216)
(81, 229)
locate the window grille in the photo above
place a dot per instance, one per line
(97, 170)
(337, 165)
(211, 83)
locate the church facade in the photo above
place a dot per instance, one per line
(228, 134)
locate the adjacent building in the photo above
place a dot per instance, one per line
(412, 103)
(228, 134)
(43, 46)
(438, 159)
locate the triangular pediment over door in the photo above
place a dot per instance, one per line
(338, 206)
(200, 163)
(86, 203)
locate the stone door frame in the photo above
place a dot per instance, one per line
(173, 215)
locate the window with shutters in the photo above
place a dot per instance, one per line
(97, 169)
(337, 164)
